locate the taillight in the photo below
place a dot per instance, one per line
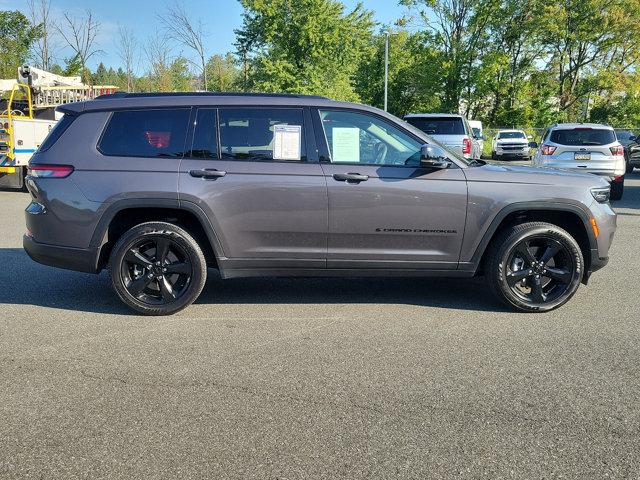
(466, 146)
(50, 171)
(617, 151)
(547, 149)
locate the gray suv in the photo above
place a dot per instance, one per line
(157, 188)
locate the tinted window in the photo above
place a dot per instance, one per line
(438, 125)
(360, 138)
(511, 135)
(624, 136)
(583, 136)
(262, 134)
(146, 133)
(56, 132)
(205, 136)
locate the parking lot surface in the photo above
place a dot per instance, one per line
(318, 378)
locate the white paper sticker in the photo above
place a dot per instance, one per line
(287, 141)
(346, 144)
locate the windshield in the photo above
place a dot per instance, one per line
(438, 125)
(511, 135)
(583, 136)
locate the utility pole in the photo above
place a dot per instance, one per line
(386, 69)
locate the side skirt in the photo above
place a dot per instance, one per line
(342, 272)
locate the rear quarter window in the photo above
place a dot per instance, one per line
(56, 132)
(157, 133)
(583, 136)
(438, 125)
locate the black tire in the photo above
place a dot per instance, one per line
(617, 189)
(163, 263)
(629, 167)
(493, 155)
(511, 273)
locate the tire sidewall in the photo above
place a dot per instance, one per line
(504, 253)
(180, 237)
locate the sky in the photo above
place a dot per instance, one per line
(220, 18)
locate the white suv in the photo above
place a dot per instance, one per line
(510, 144)
(584, 147)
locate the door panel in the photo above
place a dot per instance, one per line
(399, 218)
(385, 210)
(266, 213)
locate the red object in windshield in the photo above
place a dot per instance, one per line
(158, 139)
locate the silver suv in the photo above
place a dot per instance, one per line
(157, 188)
(584, 147)
(451, 130)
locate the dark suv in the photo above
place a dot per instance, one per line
(158, 187)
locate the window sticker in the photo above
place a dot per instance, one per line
(346, 144)
(287, 142)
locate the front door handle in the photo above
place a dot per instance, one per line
(350, 177)
(207, 173)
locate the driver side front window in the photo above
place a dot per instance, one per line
(358, 138)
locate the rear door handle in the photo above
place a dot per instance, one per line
(207, 173)
(350, 177)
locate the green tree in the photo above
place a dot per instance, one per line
(303, 46)
(415, 75)
(222, 73)
(460, 30)
(17, 35)
(584, 39)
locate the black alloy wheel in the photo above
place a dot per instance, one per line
(534, 267)
(540, 269)
(157, 268)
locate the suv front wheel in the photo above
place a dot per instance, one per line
(157, 268)
(535, 267)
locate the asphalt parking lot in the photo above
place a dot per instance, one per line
(318, 378)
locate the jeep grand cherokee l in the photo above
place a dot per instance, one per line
(156, 188)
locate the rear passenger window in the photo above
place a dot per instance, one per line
(146, 133)
(262, 134)
(205, 137)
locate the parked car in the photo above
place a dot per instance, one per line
(158, 187)
(510, 144)
(630, 143)
(584, 147)
(451, 130)
(478, 133)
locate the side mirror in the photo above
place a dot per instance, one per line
(433, 156)
(633, 139)
(483, 137)
(533, 144)
(529, 137)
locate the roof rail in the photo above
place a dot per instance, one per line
(206, 94)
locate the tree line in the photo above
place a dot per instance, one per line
(519, 63)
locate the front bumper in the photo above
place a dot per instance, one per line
(78, 259)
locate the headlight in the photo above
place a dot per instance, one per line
(601, 194)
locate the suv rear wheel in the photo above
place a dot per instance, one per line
(535, 267)
(157, 268)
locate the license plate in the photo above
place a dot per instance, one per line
(582, 156)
